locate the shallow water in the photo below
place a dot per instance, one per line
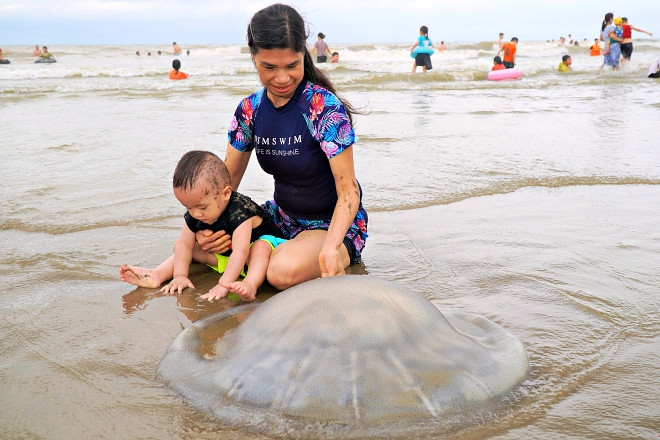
(531, 202)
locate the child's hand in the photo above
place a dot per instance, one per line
(216, 293)
(177, 285)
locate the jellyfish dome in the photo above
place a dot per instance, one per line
(346, 356)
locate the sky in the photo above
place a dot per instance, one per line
(108, 22)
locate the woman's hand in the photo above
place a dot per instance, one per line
(330, 263)
(215, 242)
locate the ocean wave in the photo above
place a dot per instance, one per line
(509, 186)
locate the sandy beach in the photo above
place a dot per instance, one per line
(530, 202)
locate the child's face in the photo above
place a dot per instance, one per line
(203, 201)
(569, 61)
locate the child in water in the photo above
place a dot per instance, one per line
(422, 59)
(565, 64)
(497, 64)
(202, 185)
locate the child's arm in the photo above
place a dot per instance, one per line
(650, 34)
(182, 259)
(240, 249)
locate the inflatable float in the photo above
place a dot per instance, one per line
(46, 60)
(497, 75)
(421, 49)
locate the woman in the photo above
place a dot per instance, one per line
(303, 135)
(321, 49)
(612, 40)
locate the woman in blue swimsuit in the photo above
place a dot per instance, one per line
(303, 136)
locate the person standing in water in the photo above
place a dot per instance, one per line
(509, 56)
(627, 42)
(422, 58)
(321, 49)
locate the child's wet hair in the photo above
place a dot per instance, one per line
(197, 165)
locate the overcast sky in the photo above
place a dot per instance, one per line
(53, 22)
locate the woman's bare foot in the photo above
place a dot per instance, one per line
(245, 290)
(139, 276)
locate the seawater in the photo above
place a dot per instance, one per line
(532, 202)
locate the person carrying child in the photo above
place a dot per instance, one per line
(202, 184)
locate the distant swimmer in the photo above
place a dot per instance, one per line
(565, 64)
(594, 50)
(500, 41)
(442, 46)
(3, 60)
(334, 58)
(36, 51)
(176, 74)
(45, 56)
(176, 50)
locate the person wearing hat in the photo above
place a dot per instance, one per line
(321, 49)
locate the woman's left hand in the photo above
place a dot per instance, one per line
(330, 263)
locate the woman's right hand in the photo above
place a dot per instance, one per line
(216, 242)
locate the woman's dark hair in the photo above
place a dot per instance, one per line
(608, 17)
(176, 65)
(425, 31)
(280, 26)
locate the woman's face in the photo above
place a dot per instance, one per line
(280, 71)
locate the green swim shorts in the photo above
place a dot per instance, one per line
(224, 259)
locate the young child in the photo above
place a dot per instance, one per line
(565, 64)
(497, 64)
(202, 185)
(335, 57)
(422, 59)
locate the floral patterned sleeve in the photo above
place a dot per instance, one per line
(241, 127)
(327, 120)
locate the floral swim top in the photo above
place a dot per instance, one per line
(294, 143)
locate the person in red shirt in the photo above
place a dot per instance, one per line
(626, 44)
(509, 49)
(497, 64)
(176, 74)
